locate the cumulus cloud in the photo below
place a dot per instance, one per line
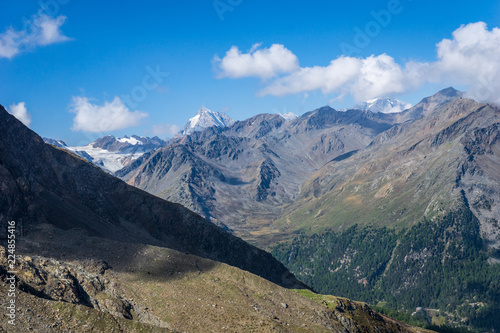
(40, 30)
(362, 78)
(263, 63)
(327, 79)
(19, 111)
(111, 116)
(165, 129)
(471, 57)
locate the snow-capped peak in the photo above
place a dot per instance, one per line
(57, 143)
(384, 105)
(132, 140)
(205, 118)
(288, 115)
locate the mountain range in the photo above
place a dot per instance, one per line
(241, 176)
(113, 154)
(397, 209)
(93, 253)
(244, 176)
(300, 186)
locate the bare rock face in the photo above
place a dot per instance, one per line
(480, 180)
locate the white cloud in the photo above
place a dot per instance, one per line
(19, 111)
(111, 116)
(471, 57)
(378, 76)
(327, 79)
(362, 78)
(49, 32)
(40, 30)
(262, 63)
(165, 129)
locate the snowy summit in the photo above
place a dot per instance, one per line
(384, 105)
(206, 118)
(288, 115)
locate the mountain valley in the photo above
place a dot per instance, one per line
(95, 254)
(395, 209)
(285, 185)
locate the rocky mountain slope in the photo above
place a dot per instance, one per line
(242, 176)
(414, 169)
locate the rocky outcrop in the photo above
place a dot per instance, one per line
(268, 173)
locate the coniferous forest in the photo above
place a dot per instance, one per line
(440, 266)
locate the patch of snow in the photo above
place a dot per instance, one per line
(109, 161)
(384, 105)
(288, 115)
(131, 140)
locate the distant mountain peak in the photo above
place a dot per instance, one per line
(57, 143)
(205, 118)
(450, 91)
(288, 115)
(383, 105)
(427, 105)
(203, 110)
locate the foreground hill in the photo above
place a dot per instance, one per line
(82, 283)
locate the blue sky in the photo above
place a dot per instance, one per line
(71, 61)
